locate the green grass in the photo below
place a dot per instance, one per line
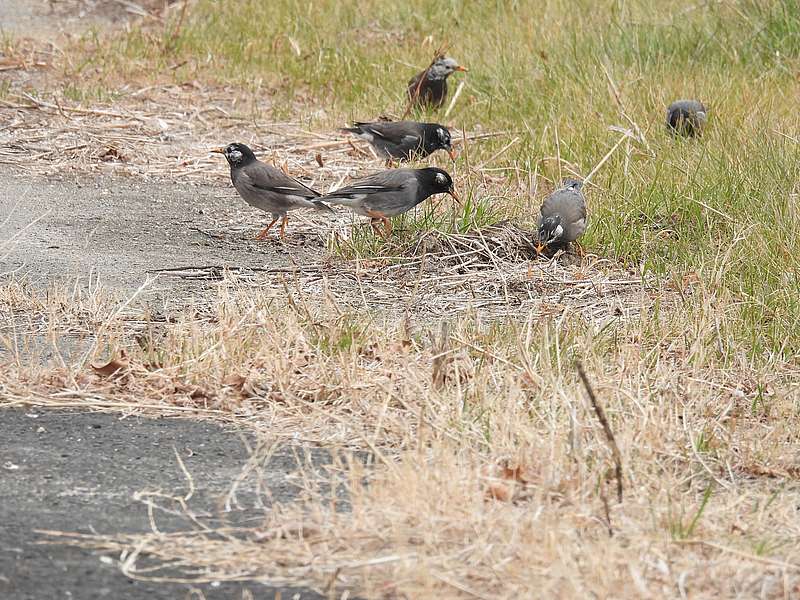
(724, 207)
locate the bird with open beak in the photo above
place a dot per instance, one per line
(268, 188)
(390, 193)
(429, 88)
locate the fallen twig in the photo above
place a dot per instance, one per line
(601, 416)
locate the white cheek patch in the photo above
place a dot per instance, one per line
(558, 232)
(441, 179)
(235, 155)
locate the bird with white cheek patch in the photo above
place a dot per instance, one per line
(404, 140)
(563, 217)
(390, 193)
(429, 88)
(268, 188)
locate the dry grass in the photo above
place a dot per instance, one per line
(445, 355)
(491, 475)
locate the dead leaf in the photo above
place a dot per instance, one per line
(235, 380)
(497, 490)
(114, 367)
(113, 154)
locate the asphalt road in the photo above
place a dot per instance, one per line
(77, 472)
(117, 232)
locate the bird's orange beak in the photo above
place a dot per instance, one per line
(464, 69)
(452, 154)
(218, 150)
(453, 195)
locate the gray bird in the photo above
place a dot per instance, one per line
(390, 193)
(563, 217)
(267, 188)
(429, 88)
(686, 117)
(404, 140)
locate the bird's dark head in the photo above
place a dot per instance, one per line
(572, 184)
(443, 67)
(438, 181)
(237, 155)
(437, 137)
(550, 232)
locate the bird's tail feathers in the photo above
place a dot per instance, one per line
(320, 206)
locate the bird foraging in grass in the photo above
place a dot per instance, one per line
(563, 217)
(686, 118)
(390, 193)
(404, 140)
(267, 188)
(429, 88)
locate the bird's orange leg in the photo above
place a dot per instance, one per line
(262, 235)
(375, 216)
(283, 227)
(373, 222)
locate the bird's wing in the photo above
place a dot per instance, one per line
(414, 81)
(373, 190)
(570, 205)
(270, 179)
(398, 132)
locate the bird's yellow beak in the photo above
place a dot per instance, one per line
(464, 69)
(218, 150)
(453, 194)
(452, 154)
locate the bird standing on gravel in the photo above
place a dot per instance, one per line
(429, 88)
(267, 188)
(404, 140)
(686, 118)
(390, 193)
(563, 217)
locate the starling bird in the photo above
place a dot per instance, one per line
(429, 88)
(267, 187)
(563, 217)
(686, 118)
(390, 193)
(404, 140)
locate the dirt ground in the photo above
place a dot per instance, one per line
(71, 471)
(119, 231)
(169, 240)
(44, 18)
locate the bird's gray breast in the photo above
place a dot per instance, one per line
(570, 206)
